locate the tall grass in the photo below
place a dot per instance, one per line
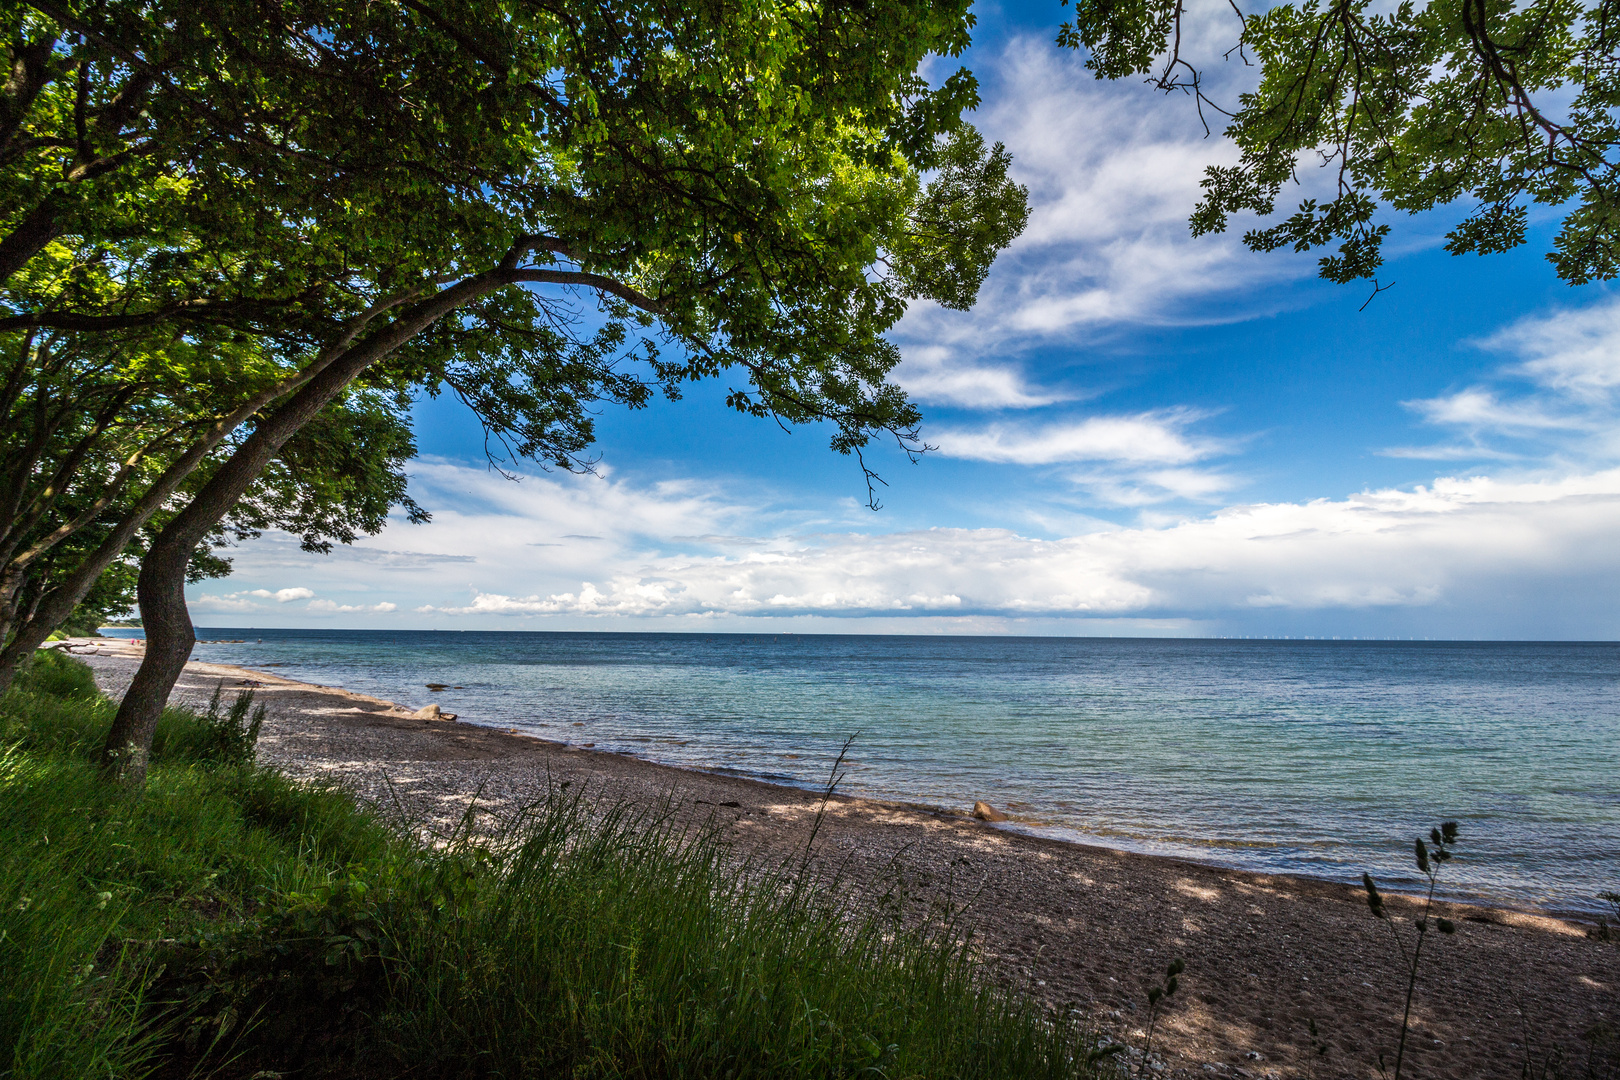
(231, 922)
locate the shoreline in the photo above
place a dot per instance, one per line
(1082, 925)
(1576, 918)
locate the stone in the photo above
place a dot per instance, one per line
(437, 686)
(985, 812)
(430, 712)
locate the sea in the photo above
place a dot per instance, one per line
(1318, 758)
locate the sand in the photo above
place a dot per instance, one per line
(1083, 927)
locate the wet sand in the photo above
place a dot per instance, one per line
(1084, 927)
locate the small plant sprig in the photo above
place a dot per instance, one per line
(1604, 931)
(1157, 994)
(1320, 1045)
(1429, 858)
(234, 734)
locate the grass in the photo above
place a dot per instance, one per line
(231, 923)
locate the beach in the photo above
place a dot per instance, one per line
(1083, 927)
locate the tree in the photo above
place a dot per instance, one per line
(146, 309)
(197, 247)
(102, 431)
(734, 188)
(1492, 102)
(87, 428)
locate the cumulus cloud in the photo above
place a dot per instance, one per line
(246, 601)
(331, 607)
(492, 531)
(230, 602)
(1457, 539)
(282, 596)
(625, 555)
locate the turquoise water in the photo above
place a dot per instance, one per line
(1311, 757)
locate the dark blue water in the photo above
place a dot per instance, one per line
(1313, 757)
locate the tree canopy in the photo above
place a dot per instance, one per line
(92, 423)
(1497, 104)
(532, 205)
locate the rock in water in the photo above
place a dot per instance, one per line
(985, 812)
(437, 686)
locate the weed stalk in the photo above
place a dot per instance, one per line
(1430, 858)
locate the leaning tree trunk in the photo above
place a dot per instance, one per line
(161, 588)
(55, 605)
(53, 608)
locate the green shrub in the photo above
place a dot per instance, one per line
(605, 944)
(230, 737)
(54, 706)
(62, 1013)
(90, 879)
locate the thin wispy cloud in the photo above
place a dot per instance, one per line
(931, 375)
(1126, 460)
(1113, 171)
(1159, 438)
(1572, 353)
(1556, 402)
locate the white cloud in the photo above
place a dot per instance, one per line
(282, 596)
(1377, 549)
(1132, 459)
(933, 375)
(1157, 438)
(492, 532)
(1154, 486)
(1457, 547)
(1556, 403)
(244, 601)
(213, 602)
(1478, 408)
(1575, 353)
(331, 607)
(1113, 171)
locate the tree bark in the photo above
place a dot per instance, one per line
(11, 583)
(161, 586)
(32, 233)
(169, 640)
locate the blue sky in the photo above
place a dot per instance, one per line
(1138, 432)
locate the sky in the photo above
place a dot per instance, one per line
(1139, 433)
